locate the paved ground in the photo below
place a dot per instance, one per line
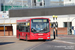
(12, 43)
(53, 45)
(68, 38)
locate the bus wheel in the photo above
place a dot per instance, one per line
(26, 38)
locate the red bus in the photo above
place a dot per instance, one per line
(33, 29)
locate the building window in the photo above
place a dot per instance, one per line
(69, 0)
(65, 24)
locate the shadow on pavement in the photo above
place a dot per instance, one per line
(50, 40)
(32, 40)
(4, 43)
(38, 40)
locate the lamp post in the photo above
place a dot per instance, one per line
(4, 15)
(55, 25)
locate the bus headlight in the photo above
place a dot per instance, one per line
(48, 37)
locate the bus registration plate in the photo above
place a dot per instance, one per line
(40, 38)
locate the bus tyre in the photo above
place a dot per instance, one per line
(26, 38)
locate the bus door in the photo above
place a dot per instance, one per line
(27, 30)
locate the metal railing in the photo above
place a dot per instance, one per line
(51, 5)
(15, 5)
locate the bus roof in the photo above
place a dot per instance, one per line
(28, 19)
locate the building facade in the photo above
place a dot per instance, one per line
(66, 25)
(69, 2)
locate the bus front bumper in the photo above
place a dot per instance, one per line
(39, 37)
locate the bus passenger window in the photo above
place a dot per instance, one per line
(21, 28)
(26, 29)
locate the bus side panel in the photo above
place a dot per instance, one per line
(28, 35)
(24, 34)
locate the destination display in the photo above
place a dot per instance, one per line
(40, 20)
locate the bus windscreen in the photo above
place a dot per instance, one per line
(39, 25)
